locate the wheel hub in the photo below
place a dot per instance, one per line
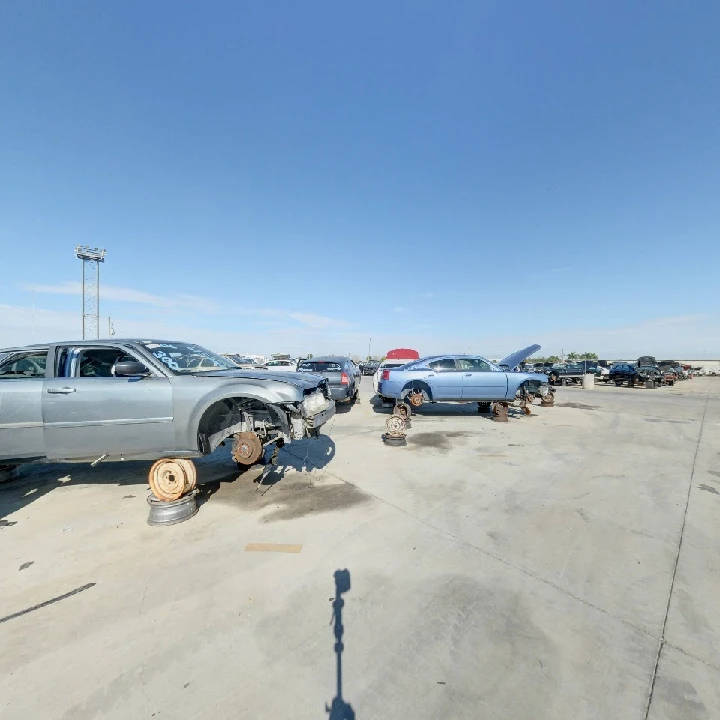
(247, 448)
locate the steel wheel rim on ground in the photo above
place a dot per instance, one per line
(169, 478)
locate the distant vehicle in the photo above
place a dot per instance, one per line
(246, 363)
(543, 367)
(369, 367)
(572, 372)
(623, 373)
(289, 365)
(394, 359)
(461, 378)
(646, 369)
(342, 374)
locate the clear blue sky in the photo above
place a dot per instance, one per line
(456, 175)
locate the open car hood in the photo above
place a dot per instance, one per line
(517, 357)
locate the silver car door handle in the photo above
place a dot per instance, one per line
(468, 374)
(60, 391)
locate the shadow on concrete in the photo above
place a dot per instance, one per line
(339, 709)
(35, 480)
(299, 456)
(459, 409)
(341, 408)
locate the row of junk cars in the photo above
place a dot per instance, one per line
(646, 370)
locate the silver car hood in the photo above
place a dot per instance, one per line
(305, 381)
(517, 357)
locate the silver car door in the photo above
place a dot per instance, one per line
(21, 384)
(88, 413)
(480, 381)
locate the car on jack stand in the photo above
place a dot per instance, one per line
(465, 378)
(106, 400)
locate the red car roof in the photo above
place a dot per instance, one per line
(403, 354)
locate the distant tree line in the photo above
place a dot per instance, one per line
(572, 357)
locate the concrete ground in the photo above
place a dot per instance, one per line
(565, 565)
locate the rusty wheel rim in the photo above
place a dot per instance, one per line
(395, 426)
(168, 479)
(402, 410)
(190, 473)
(247, 448)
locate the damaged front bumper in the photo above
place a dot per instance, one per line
(319, 419)
(315, 410)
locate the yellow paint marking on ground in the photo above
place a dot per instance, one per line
(272, 547)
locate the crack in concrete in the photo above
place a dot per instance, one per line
(661, 639)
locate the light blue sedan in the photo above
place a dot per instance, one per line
(462, 378)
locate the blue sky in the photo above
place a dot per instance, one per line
(463, 176)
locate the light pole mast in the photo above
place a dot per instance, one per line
(91, 259)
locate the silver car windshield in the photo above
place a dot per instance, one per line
(183, 359)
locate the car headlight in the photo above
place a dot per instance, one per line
(314, 402)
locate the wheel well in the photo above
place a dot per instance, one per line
(417, 386)
(251, 414)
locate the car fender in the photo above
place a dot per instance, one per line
(417, 386)
(189, 426)
(515, 380)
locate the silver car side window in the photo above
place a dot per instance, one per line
(24, 365)
(91, 362)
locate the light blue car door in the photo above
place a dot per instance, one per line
(445, 380)
(87, 412)
(480, 381)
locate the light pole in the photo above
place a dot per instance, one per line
(91, 259)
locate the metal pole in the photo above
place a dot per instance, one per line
(97, 304)
(369, 343)
(83, 299)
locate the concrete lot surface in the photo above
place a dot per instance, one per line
(560, 566)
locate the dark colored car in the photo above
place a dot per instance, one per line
(647, 370)
(342, 374)
(572, 372)
(623, 373)
(369, 367)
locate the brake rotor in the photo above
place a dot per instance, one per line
(169, 479)
(402, 410)
(500, 412)
(416, 399)
(247, 448)
(548, 400)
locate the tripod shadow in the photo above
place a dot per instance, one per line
(339, 709)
